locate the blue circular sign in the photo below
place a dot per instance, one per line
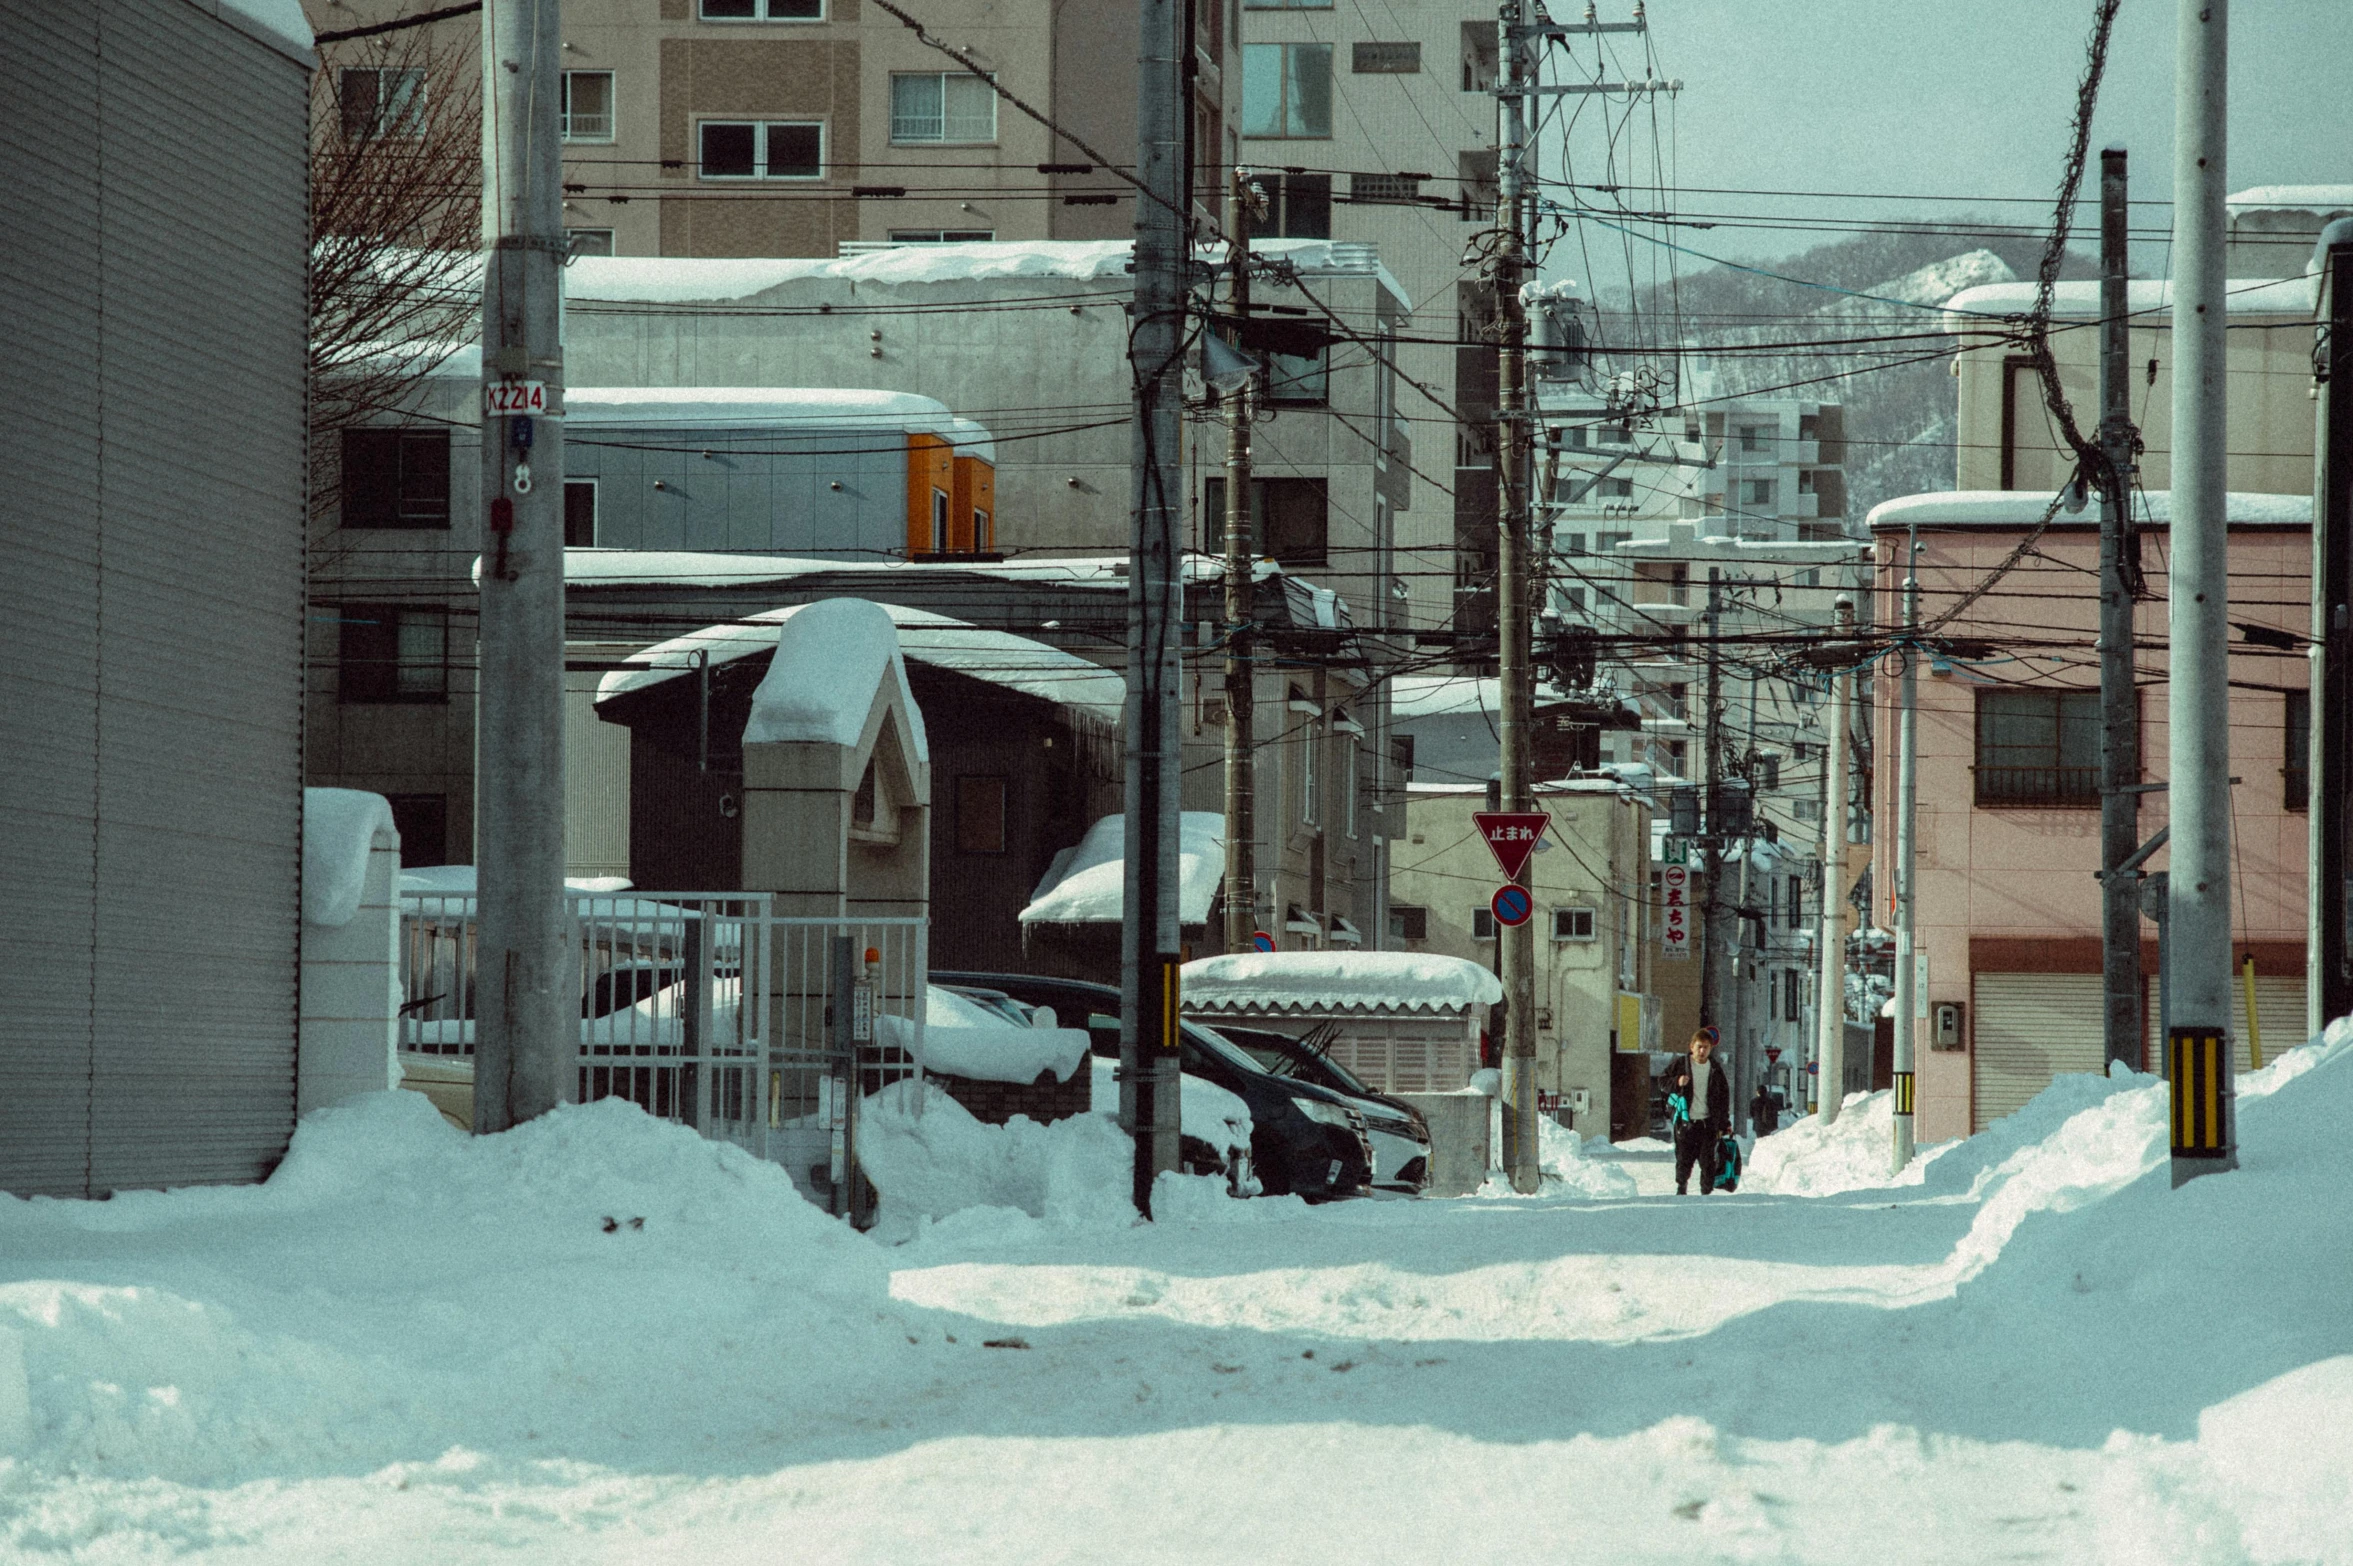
(1512, 906)
(1262, 941)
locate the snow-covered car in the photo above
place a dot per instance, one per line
(1305, 1139)
(1399, 1134)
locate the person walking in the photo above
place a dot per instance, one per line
(1764, 1111)
(1706, 1092)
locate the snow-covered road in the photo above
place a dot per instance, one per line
(414, 1347)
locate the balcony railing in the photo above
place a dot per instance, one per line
(2062, 787)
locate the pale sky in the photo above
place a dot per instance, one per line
(1963, 98)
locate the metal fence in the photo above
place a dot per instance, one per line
(708, 1009)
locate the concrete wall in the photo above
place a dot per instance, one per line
(350, 1035)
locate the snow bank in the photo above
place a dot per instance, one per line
(1568, 1170)
(339, 827)
(1206, 1112)
(929, 1157)
(962, 1039)
(1087, 884)
(831, 659)
(1851, 1153)
(1337, 981)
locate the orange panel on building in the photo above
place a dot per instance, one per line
(931, 488)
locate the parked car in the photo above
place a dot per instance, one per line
(1305, 1139)
(1399, 1133)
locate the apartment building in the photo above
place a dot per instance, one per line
(794, 127)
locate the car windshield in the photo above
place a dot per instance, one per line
(1288, 1057)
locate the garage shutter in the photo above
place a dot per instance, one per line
(2030, 1028)
(2279, 1007)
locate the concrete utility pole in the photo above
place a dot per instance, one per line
(1712, 837)
(1907, 813)
(2197, 1045)
(1516, 943)
(1830, 988)
(1150, 950)
(2120, 706)
(527, 1006)
(2328, 776)
(1241, 888)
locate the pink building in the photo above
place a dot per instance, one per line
(2008, 829)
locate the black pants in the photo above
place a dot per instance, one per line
(1695, 1144)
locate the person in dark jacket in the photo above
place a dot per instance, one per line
(1764, 1111)
(1707, 1089)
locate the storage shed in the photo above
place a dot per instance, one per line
(1407, 1022)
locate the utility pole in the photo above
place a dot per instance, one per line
(1830, 987)
(1711, 839)
(1516, 943)
(1150, 953)
(2120, 718)
(527, 1011)
(2197, 1045)
(1241, 888)
(2329, 771)
(1908, 1000)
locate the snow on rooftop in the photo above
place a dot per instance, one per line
(2145, 296)
(1087, 884)
(832, 657)
(813, 409)
(1337, 981)
(2322, 200)
(279, 22)
(339, 827)
(998, 657)
(460, 881)
(2025, 507)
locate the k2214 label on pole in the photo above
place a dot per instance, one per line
(1511, 836)
(1674, 911)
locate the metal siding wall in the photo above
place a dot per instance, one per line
(2029, 1028)
(48, 589)
(185, 453)
(2279, 1007)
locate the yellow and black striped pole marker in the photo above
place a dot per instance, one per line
(2254, 1023)
(1903, 1093)
(2197, 1067)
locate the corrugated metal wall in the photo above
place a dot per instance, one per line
(2279, 1010)
(152, 270)
(2029, 1028)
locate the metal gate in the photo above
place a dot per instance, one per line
(707, 1009)
(2029, 1028)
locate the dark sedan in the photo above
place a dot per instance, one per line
(1305, 1139)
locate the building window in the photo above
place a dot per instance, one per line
(587, 112)
(1287, 90)
(1482, 924)
(1375, 189)
(1478, 182)
(1385, 59)
(763, 10)
(939, 521)
(980, 815)
(1299, 380)
(580, 513)
(1311, 738)
(1756, 437)
(422, 820)
(1299, 206)
(942, 236)
(590, 241)
(763, 149)
(1797, 902)
(1408, 922)
(393, 653)
(395, 478)
(1793, 994)
(942, 106)
(1289, 519)
(1618, 488)
(1758, 492)
(1573, 924)
(376, 103)
(1479, 57)
(2296, 775)
(2038, 747)
(1348, 780)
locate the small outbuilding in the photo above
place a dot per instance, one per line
(1405, 1022)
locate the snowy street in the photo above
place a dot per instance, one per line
(414, 1346)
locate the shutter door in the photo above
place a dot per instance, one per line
(49, 616)
(2279, 1009)
(200, 729)
(2030, 1028)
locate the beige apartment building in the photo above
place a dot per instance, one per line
(794, 127)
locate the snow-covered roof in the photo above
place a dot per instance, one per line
(2322, 200)
(1337, 981)
(339, 827)
(1086, 884)
(698, 280)
(810, 409)
(999, 657)
(832, 657)
(2148, 296)
(2000, 508)
(278, 23)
